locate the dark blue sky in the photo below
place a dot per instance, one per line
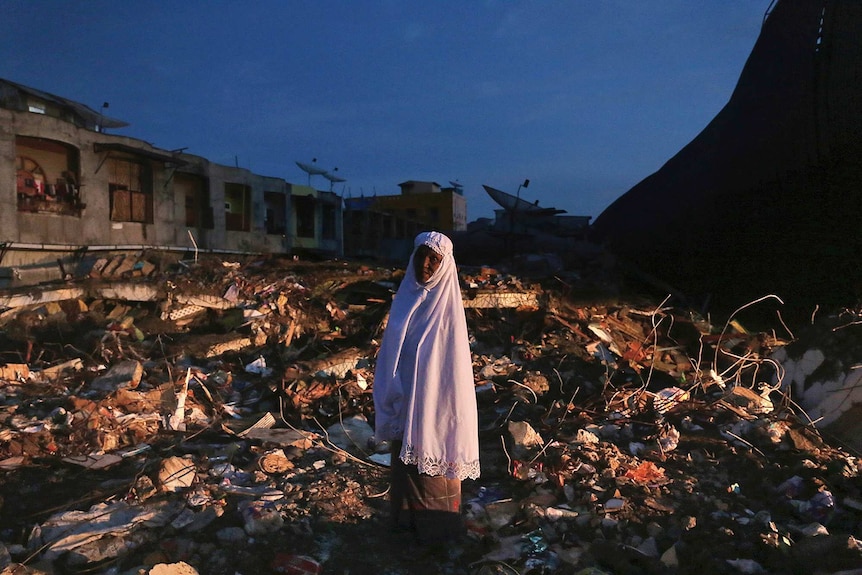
(583, 98)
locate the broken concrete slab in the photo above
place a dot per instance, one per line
(15, 302)
(501, 300)
(130, 292)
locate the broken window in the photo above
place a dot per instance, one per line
(433, 214)
(47, 176)
(195, 191)
(130, 185)
(304, 216)
(35, 106)
(237, 207)
(275, 204)
(375, 225)
(354, 223)
(388, 226)
(328, 223)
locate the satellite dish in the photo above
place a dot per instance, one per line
(332, 178)
(456, 184)
(311, 169)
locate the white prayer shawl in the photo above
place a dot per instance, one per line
(424, 393)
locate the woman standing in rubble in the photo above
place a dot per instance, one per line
(424, 395)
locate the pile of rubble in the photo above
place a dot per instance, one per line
(216, 417)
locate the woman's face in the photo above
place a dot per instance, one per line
(425, 262)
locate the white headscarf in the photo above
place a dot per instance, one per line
(424, 393)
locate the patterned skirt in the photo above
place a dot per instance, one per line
(429, 507)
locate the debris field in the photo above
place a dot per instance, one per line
(216, 417)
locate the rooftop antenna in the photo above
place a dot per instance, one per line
(104, 107)
(332, 178)
(311, 169)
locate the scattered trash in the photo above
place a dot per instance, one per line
(295, 565)
(176, 473)
(228, 427)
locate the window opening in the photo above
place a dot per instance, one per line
(47, 177)
(275, 206)
(304, 216)
(36, 106)
(237, 215)
(328, 223)
(195, 193)
(130, 189)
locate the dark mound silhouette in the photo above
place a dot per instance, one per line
(766, 199)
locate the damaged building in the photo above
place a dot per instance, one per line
(383, 226)
(527, 236)
(73, 192)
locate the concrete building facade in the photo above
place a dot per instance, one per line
(68, 189)
(383, 227)
(435, 208)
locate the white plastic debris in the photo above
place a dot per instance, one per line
(259, 367)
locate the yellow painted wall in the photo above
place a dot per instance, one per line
(444, 211)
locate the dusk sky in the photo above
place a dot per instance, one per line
(584, 99)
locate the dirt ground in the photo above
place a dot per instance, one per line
(644, 463)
